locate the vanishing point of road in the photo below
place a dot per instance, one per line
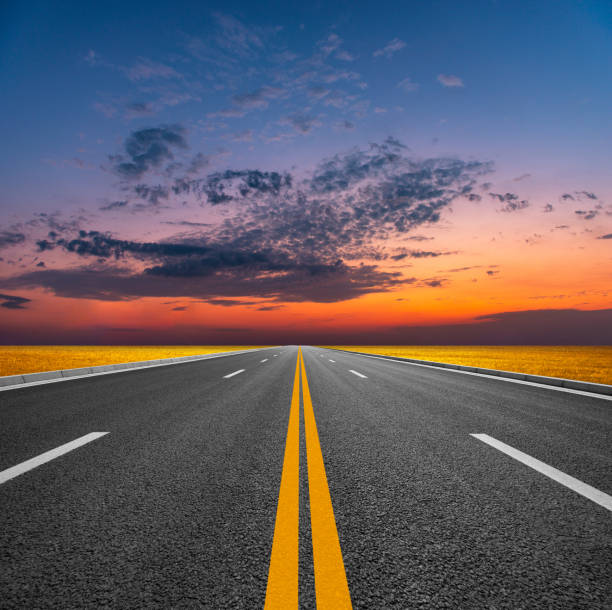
(290, 478)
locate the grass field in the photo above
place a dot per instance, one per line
(571, 362)
(17, 359)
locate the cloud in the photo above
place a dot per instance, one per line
(392, 47)
(145, 69)
(587, 214)
(344, 126)
(242, 136)
(450, 80)
(237, 37)
(139, 109)
(186, 223)
(302, 122)
(419, 238)
(316, 283)
(13, 302)
(147, 149)
(197, 163)
(343, 55)
(277, 237)
(521, 177)
(181, 308)
(231, 302)
(108, 110)
(330, 44)
(11, 238)
(528, 327)
(402, 254)
(548, 208)
(115, 205)
(318, 91)
(408, 85)
(511, 201)
(434, 282)
(92, 58)
(259, 98)
(606, 236)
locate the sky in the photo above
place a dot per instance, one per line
(325, 172)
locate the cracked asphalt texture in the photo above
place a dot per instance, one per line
(175, 508)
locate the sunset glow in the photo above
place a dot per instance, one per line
(232, 175)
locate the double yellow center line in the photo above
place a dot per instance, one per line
(331, 587)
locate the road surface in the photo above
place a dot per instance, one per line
(177, 502)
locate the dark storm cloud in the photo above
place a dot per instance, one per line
(148, 148)
(10, 301)
(10, 238)
(511, 201)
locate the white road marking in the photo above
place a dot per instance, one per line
(599, 497)
(234, 373)
(30, 384)
(331, 360)
(275, 355)
(11, 473)
(265, 360)
(358, 374)
(531, 383)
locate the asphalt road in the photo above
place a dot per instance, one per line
(176, 506)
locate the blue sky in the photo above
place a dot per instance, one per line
(535, 78)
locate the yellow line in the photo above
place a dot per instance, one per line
(331, 587)
(282, 591)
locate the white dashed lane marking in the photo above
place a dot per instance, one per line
(358, 374)
(234, 373)
(43, 458)
(599, 497)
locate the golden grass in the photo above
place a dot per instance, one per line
(18, 359)
(571, 362)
